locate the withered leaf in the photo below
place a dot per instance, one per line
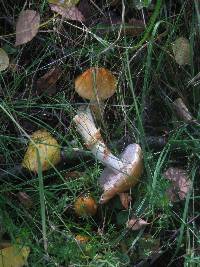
(70, 13)
(27, 26)
(182, 111)
(14, 256)
(4, 59)
(48, 81)
(181, 183)
(136, 223)
(181, 50)
(125, 199)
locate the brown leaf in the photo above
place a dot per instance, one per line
(125, 199)
(87, 10)
(25, 199)
(136, 223)
(27, 26)
(182, 111)
(71, 13)
(47, 81)
(4, 60)
(181, 183)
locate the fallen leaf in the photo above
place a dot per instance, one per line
(47, 82)
(182, 111)
(125, 199)
(181, 50)
(14, 256)
(70, 13)
(25, 199)
(4, 60)
(27, 26)
(87, 10)
(44, 145)
(181, 183)
(136, 223)
(64, 3)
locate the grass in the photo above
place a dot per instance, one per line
(149, 80)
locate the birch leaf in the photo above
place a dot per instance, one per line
(14, 256)
(4, 60)
(70, 13)
(181, 50)
(27, 26)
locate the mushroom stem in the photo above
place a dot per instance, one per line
(93, 140)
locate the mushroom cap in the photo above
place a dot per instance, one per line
(85, 206)
(82, 238)
(113, 183)
(96, 83)
(48, 150)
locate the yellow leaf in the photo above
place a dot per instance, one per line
(44, 145)
(4, 60)
(14, 256)
(64, 3)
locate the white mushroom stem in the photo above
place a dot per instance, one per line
(93, 140)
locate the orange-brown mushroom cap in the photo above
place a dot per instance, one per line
(96, 83)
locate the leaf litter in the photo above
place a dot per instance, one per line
(27, 26)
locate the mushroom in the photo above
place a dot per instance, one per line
(43, 145)
(112, 183)
(85, 206)
(121, 173)
(96, 85)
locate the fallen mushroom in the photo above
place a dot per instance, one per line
(120, 174)
(44, 147)
(112, 183)
(93, 140)
(96, 85)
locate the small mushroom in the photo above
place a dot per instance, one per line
(44, 145)
(121, 173)
(82, 239)
(85, 206)
(96, 85)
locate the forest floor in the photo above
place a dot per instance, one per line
(156, 105)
